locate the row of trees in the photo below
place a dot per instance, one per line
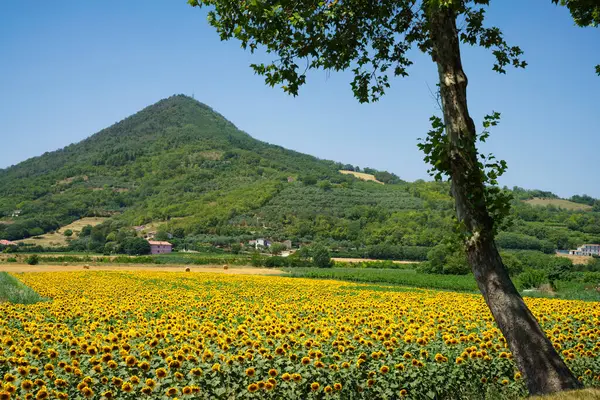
(316, 255)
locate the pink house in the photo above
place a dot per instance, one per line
(158, 247)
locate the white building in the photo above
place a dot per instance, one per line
(260, 242)
(586, 250)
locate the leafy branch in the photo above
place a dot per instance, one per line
(437, 148)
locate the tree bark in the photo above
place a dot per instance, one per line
(535, 356)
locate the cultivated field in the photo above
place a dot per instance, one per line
(139, 334)
(566, 204)
(361, 175)
(58, 238)
(359, 260)
(20, 268)
(582, 260)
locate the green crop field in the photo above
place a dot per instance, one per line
(14, 291)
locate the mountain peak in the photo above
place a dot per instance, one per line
(179, 100)
(178, 150)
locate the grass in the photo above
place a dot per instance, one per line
(406, 277)
(585, 394)
(58, 239)
(570, 290)
(14, 291)
(459, 283)
(566, 204)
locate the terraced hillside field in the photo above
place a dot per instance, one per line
(133, 335)
(57, 239)
(560, 203)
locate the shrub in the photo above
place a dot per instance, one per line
(512, 263)
(136, 246)
(33, 259)
(303, 252)
(257, 260)
(386, 264)
(533, 259)
(436, 258)
(445, 259)
(277, 248)
(456, 264)
(86, 231)
(11, 259)
(386, 251)
(324, 185)
(36, 231)
(236, 248)
(519, 241)
(297, 260)
(275, 261)
(593, 265)
(532, 279)
(68, 233)
(309, 180)
(110, 248)
(560, 268)
(591, 277)
(321, 257)
(179, 233)
(162, 235)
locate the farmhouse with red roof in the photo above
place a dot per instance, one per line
(160, 247)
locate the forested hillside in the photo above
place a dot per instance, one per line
(186, 169)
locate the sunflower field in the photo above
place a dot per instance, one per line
(136, 335)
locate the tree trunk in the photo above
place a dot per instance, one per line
(535, 356)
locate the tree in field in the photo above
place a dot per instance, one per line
(321, 257)
(33, 259)
(325, 185)
(277, 248)
(136, 246)
(372, 39)
(179, 233)
(86, 231)
(161, 235)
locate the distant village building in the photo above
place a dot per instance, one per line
(586, 250)
(7, 243)
(263, 242)
(16, 213)
(260, 242)
(287, 244)
(157, 247)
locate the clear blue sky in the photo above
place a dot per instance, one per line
(71, 68)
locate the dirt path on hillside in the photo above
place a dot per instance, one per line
(172, 268)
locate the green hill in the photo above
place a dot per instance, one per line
(181, 167)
